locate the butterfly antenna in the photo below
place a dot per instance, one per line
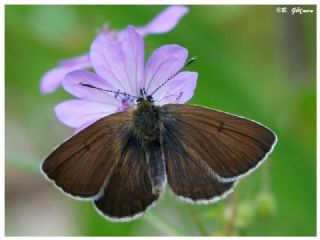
(107, 90)
(187, 63)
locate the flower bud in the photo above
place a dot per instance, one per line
(266, 205)
(245, 214)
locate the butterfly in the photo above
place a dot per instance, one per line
(123, 161)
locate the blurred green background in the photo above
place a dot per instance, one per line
(252, 62)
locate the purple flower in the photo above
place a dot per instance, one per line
(162, 23)
(119, 77)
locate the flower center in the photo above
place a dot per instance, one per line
(126, 103)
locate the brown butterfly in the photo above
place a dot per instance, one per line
(123, 161)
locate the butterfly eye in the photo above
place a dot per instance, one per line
(150, 98)
(139, 100)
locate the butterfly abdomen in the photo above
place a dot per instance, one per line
(155, 166)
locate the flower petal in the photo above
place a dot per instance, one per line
(119, 61)
(76, 113)
(132, 46)
(75, 61)
(73, 84)
(87, 124)
(179, 89)
(163, 64)
(53, 78)
(165, 21)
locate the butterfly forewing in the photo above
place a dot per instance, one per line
(82, 164)
(229, 145)
(128, 192)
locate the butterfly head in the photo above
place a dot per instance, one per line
(144, 97)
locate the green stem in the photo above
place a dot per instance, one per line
(161, 225)
(265, 175)
(201, 228)
(232, 205)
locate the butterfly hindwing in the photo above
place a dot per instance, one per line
(80, 165)
(229, 145)
(188, 175)
(128, 193)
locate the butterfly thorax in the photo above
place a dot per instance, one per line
(146, 121)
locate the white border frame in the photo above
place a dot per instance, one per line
(146, 2)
